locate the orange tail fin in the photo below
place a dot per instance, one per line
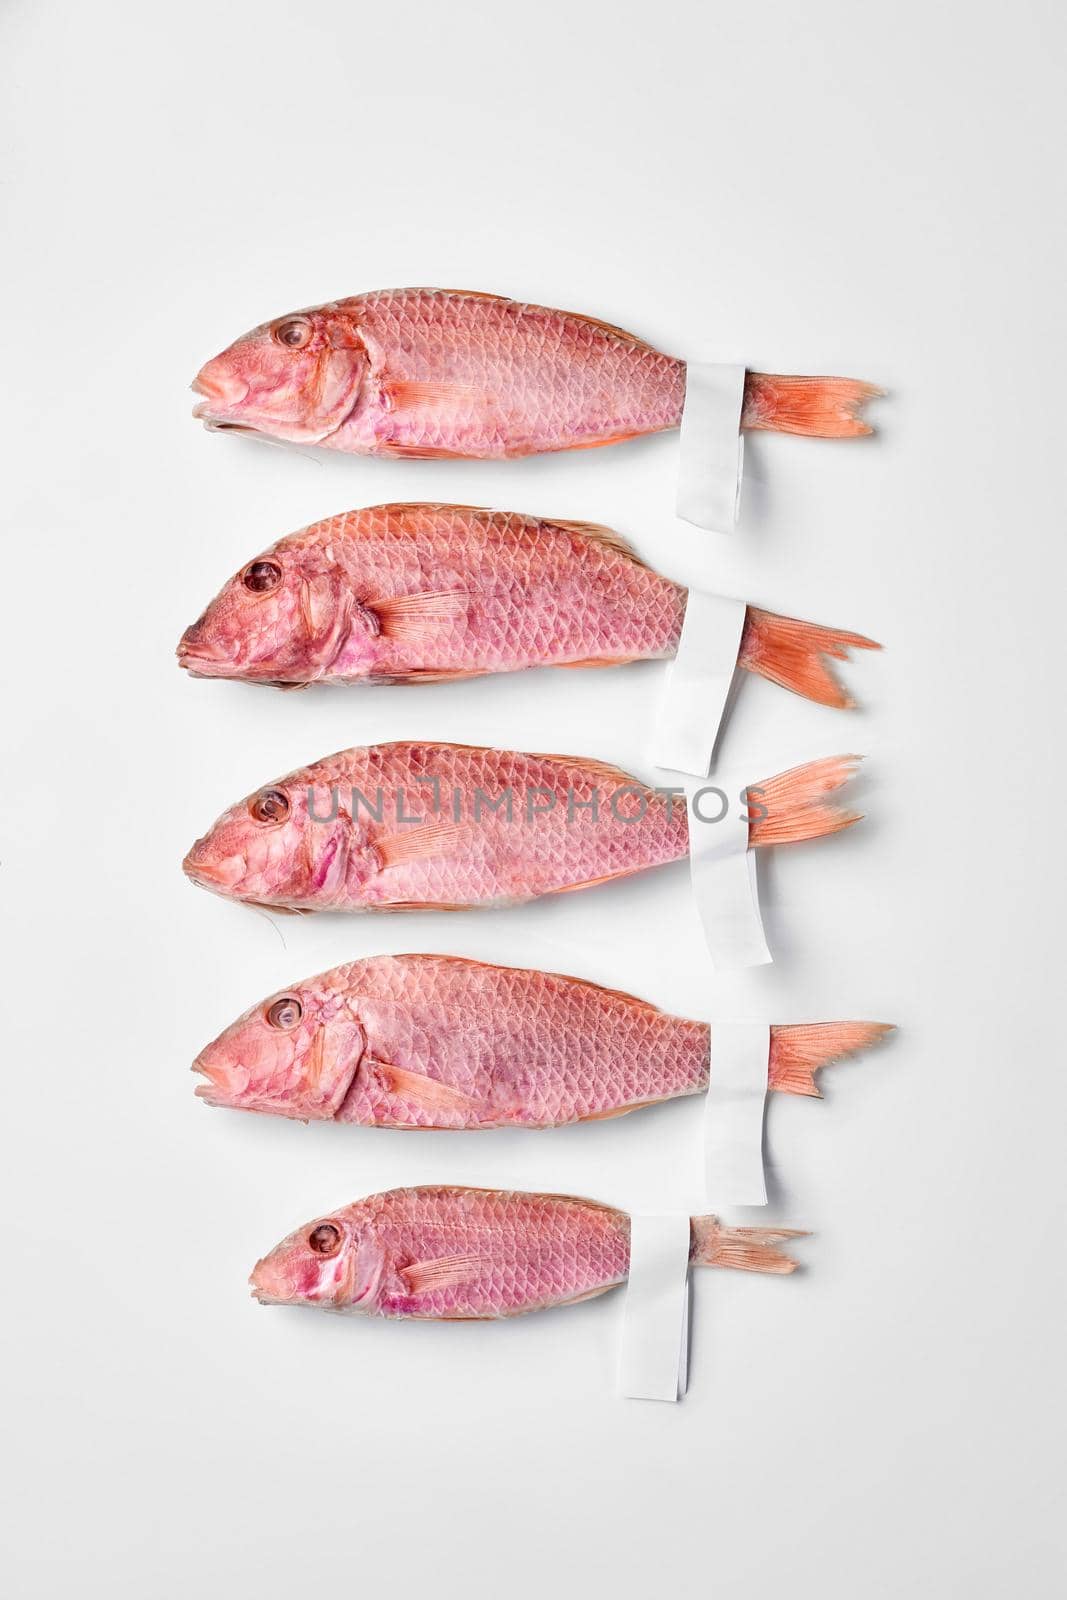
(822, 408)
(798, 1052)
(793, 806)
(747, 1249)
(795, 654)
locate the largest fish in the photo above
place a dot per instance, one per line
(409, 825)
(479, 1254)
(450, 372)
(435, 1041)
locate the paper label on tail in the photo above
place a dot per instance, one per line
(722, 869)
(698, 683)
(711, 455)
(733, 1113)
(654, 1353)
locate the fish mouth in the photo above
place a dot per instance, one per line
(218, 425)
(201, 658)
(221, 876)
(262, 1296)
(265, 1281)
(223, 1086)
(222, 395)
(264, 1299)
(202, 667)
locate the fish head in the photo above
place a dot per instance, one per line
(297, 378)
(293, 845)
(285, 618)
(294, 1055)
(337, 1262)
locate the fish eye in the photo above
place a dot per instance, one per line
(269, 805)
(285, 1013)
(325, 1240)
(262, 576)
(293, 333)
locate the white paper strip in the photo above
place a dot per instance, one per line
(653, 1359)
(712, 450)
(722, 870)
(698, 682)
(733, 1113)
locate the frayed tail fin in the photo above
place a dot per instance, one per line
(797, 655)
(794, 805)
(797, 1052)
(745, 1249)
(821, 408)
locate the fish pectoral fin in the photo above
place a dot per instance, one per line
(413, 618)
(422, 1090)
(446, 1272)
(419, 844)
(401, 392)
(429, 675)
(418, 452)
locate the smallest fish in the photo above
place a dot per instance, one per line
(446, 1253)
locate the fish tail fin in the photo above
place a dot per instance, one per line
(797, 655)
(793, 805)
(797, 1052)
(822, 408)
(746, 1249)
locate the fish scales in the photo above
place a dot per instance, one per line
(558, 823)
(439, 1041)
(552, 375)
(445, 1252)
(441, 372)
(418, 593)
(522, 1046)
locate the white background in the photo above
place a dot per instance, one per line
(826, 187)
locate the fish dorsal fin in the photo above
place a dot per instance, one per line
(459, 962)
(444, 1272)
(592, 532)
(611, 328)
(438, 745)
(582, 1200)
(436, 1191)
(597, 533)
(400, 508)
(468, 294)
(547, 311)
(598, 769)
(600, 988)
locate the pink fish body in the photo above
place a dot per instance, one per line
(430, 1041)
(423, 593)
(476, 1254)
(407, 825)
(442, 372)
